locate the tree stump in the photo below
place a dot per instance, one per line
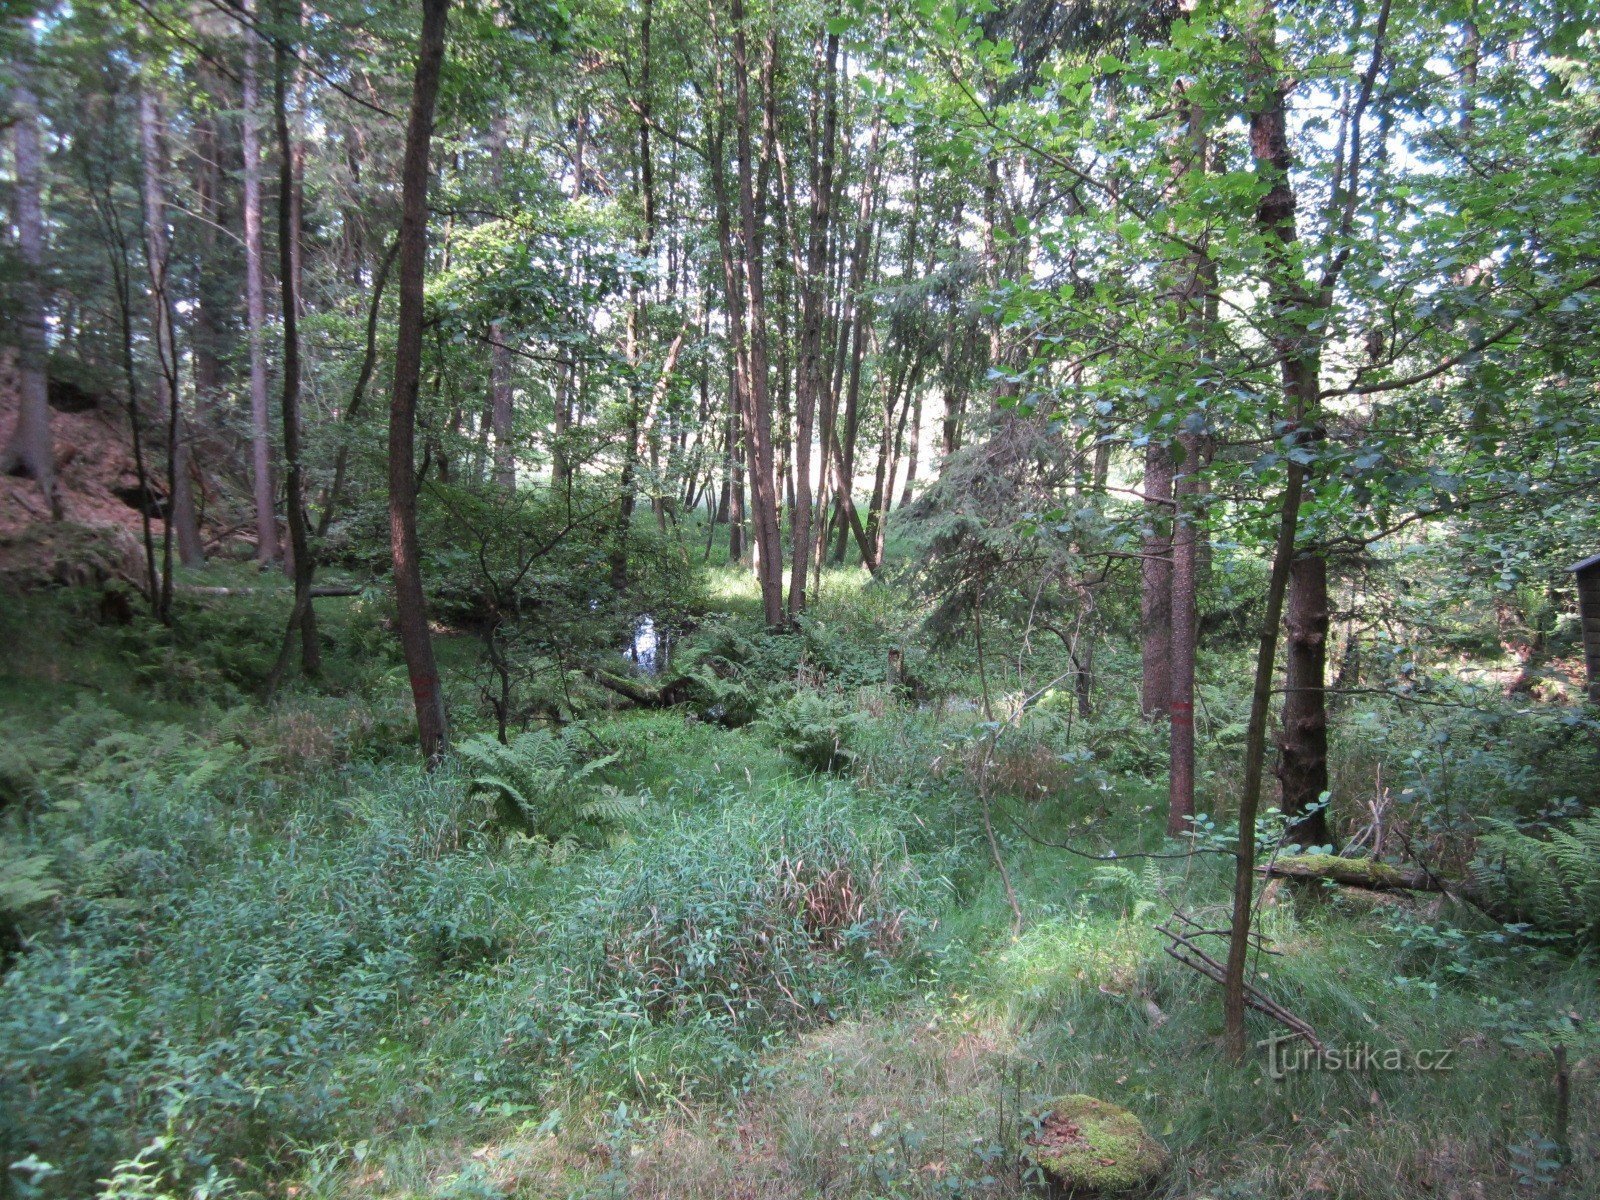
(1087, 1147)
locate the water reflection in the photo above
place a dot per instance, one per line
(650, 646)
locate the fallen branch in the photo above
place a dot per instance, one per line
(1181, 947)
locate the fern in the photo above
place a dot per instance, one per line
(1553, 883)
(816, 729)
(25, 881)
(543, 789)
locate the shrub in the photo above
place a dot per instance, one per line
(1553, 882)
(542, 787)
(818, 729)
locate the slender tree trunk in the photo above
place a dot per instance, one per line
(180, 525)
(758, 411)
(122, 283)
(1185, 621)
(410, 601)
(644, 181)
(1193, 311)
(1155, 598)
(303, 616)
(735, 481)
(256, 310)
(358, 393)
(1275, 218)
(30, 450)
(912, 449)
(206, 340)
(500, 408)
(854, 329)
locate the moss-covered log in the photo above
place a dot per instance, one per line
(645, 695)
(1354, 872)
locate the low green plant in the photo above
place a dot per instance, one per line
(1552, 882)
(686, 952)
(544, 788)
(818, 729)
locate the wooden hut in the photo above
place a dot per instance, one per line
(1588, 574)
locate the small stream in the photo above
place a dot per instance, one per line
(649, 647)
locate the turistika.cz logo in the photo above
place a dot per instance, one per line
(1287, 1053)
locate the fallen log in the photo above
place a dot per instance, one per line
(1354, 872)
(1365, 874)
(643, 694)
(318, 592)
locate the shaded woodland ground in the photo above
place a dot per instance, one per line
(679, 600)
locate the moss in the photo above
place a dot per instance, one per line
(1089, 1147)
(1362, 872)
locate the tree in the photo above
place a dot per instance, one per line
(812, 380)
(303, 565)
(410, 601)
(266, 522)
(179, 523)
(30, 450)
(501, 415)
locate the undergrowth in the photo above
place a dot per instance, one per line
(690, 951)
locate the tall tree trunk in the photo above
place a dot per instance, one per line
(303, 616)
(1194, 300)
(256, 312)
(1293, 306)
(206, 340)
(30, 450)
(181, 525)
(636, 321)
(500, 408)
(1303, 740)
(758, 409)
(117, 251)
(410, 602)
(1155, 597)
(1184, 622)
(913, 447)
(1303, 763)
(854, 329)
(735, 479)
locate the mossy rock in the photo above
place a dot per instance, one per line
(1087, 1147)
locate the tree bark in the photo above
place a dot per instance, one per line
(853, 330)
(30, 450)
(1193, 312)
(758, 410)
(1303, 740)
(1155, 597)
(410, 601)
(500, 406)
(180, 524)
(303, 567)
(1185, 621)
(644, 180)
(913, 447)
(206, 339)
(256, 312)
(1275, 218)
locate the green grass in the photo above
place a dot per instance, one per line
(279, 954)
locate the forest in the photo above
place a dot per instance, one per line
(799, 598)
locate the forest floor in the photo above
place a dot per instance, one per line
(278, 957)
